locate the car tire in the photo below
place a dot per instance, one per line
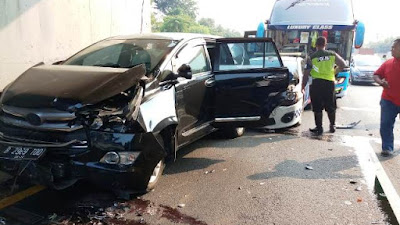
(232, 132)
(156, 175)
(169, 141)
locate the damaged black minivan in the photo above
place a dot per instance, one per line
(115, 111)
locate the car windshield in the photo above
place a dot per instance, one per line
(367, 61)
(123, 53)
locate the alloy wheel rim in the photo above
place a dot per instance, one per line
(156, 172)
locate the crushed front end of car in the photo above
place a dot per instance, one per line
(60, 124)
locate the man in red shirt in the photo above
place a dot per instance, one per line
(388, 76)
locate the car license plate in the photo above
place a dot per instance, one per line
(21, 153)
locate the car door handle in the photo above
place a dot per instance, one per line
(210, 82)
(275, 77)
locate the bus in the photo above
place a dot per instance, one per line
(295, 25)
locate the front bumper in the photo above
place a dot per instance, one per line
(63, 163)
(286, 116)
(366, 79)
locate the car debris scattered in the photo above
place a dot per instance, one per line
(308, 167)
(348, 126)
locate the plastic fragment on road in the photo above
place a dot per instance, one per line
(308, 167)
(181, 205)
(347, 126)
(347, 202)
(359, 188)
(353, 182)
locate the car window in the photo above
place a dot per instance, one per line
(195, 57)
(367, 60)
(123, 53)
(243, 56)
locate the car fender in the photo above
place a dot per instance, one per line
(158, 111)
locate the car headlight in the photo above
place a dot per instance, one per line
(340, 80)
(355, 72)
(120, 158)
(291, 96)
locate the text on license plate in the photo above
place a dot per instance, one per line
(22, 152)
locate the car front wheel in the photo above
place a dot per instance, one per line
(155, 176)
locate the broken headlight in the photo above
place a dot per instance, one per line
(115, 114)
(121, 158)
(292, 96)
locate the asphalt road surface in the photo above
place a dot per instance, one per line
(274, 177)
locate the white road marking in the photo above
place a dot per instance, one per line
(365, 109)
(371, 167)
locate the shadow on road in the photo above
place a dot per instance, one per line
(327, 168)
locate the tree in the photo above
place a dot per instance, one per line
(177, 23)
(218, 30)
(155, 25)
(177, 7)
(180, 16)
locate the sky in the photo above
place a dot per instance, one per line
(378, 16)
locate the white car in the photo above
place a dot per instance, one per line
(289, 112)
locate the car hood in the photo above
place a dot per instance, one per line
(44, 85)
(367, 68)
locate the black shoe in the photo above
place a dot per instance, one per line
(386, 153)
(332, 128)
(317, 131)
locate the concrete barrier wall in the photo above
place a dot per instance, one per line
(34, 31)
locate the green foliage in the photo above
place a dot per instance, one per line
(177, 7)
(181, 17)
(155, 26)
(218, 30)
(177, 23)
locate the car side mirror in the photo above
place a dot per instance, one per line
(185, 71)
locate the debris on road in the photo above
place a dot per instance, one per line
(181, 205)
(211, 171)
(347, 202)
(3, 221)
(240, 188)
(383, 195)
(359, 188)
(348, 126)
(353, 182)
(308, 167)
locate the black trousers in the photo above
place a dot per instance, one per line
(323, 96)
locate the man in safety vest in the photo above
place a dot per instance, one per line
(321, 66)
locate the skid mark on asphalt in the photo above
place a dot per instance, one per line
(371, 168)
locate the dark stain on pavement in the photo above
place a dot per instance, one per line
(323, 137)
(177, 217)
(326, 168)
